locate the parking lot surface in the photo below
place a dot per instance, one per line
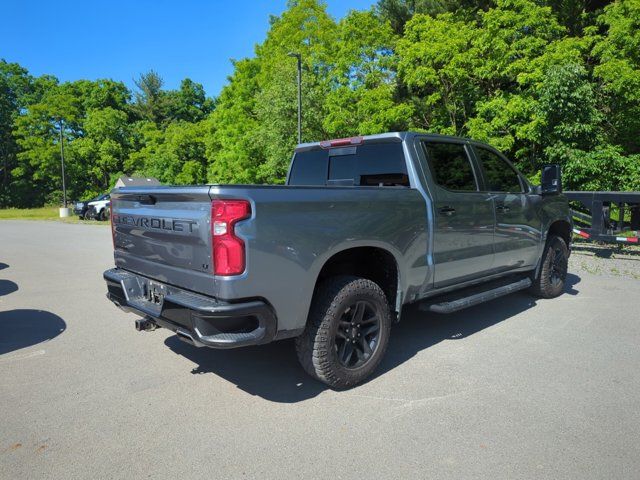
(514, 388)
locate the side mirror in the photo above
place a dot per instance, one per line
(551, 180)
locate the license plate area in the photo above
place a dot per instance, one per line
(154, 293)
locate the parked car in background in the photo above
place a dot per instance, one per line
(100, 209)
(83, 209)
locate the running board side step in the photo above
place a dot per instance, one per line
(477, 298)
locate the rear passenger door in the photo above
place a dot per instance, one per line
(463, 216)
(518, 226)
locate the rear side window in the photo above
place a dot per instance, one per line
(373, 164)
(450, 166)
(309, 168)
(498, 174)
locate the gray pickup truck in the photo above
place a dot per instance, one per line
(363, 226)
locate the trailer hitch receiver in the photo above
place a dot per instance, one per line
(145, 324)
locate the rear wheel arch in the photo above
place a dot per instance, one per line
(373, 263)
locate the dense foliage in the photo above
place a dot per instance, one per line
(544, 81)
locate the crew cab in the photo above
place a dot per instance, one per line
(363, 226)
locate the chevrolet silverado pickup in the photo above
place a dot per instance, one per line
(362, 227)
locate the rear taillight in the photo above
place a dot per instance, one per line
(228, 250)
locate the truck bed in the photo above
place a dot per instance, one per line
(164, 233)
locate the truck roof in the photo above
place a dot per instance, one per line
(378, 137)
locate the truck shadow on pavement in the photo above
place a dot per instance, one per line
(272, 371)
(7, 287)
(24, 328)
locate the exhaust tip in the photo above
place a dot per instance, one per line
(185, 337)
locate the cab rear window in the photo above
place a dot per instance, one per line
(374, 164)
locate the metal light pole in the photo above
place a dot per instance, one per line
(64, 186)
(299, 59)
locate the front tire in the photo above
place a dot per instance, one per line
(347, 331)
(553, 271)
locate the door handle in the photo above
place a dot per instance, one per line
(502, 208)
(448, 211)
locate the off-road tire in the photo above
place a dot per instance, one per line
(553, 270)
(316, 347)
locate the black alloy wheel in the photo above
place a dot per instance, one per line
(550, 281)
(558, 270)
(347, 331)
(357, 336)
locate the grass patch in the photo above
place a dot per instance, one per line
(43, 213)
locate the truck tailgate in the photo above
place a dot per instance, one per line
(164, 233)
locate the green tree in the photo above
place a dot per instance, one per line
(145, 139)
(399, 12)
(364, 97)
(150, 100)
(618, 53)
(231, 148)
(436, 59)
(568, 113)
(103, 148)
(305, 28)
(15, 87)
(543, 80)
(103, 93)
(37, 133)
(189, 103)
(576, 14)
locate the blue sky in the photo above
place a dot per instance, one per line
(120, 39)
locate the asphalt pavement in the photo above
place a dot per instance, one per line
(518, 388)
